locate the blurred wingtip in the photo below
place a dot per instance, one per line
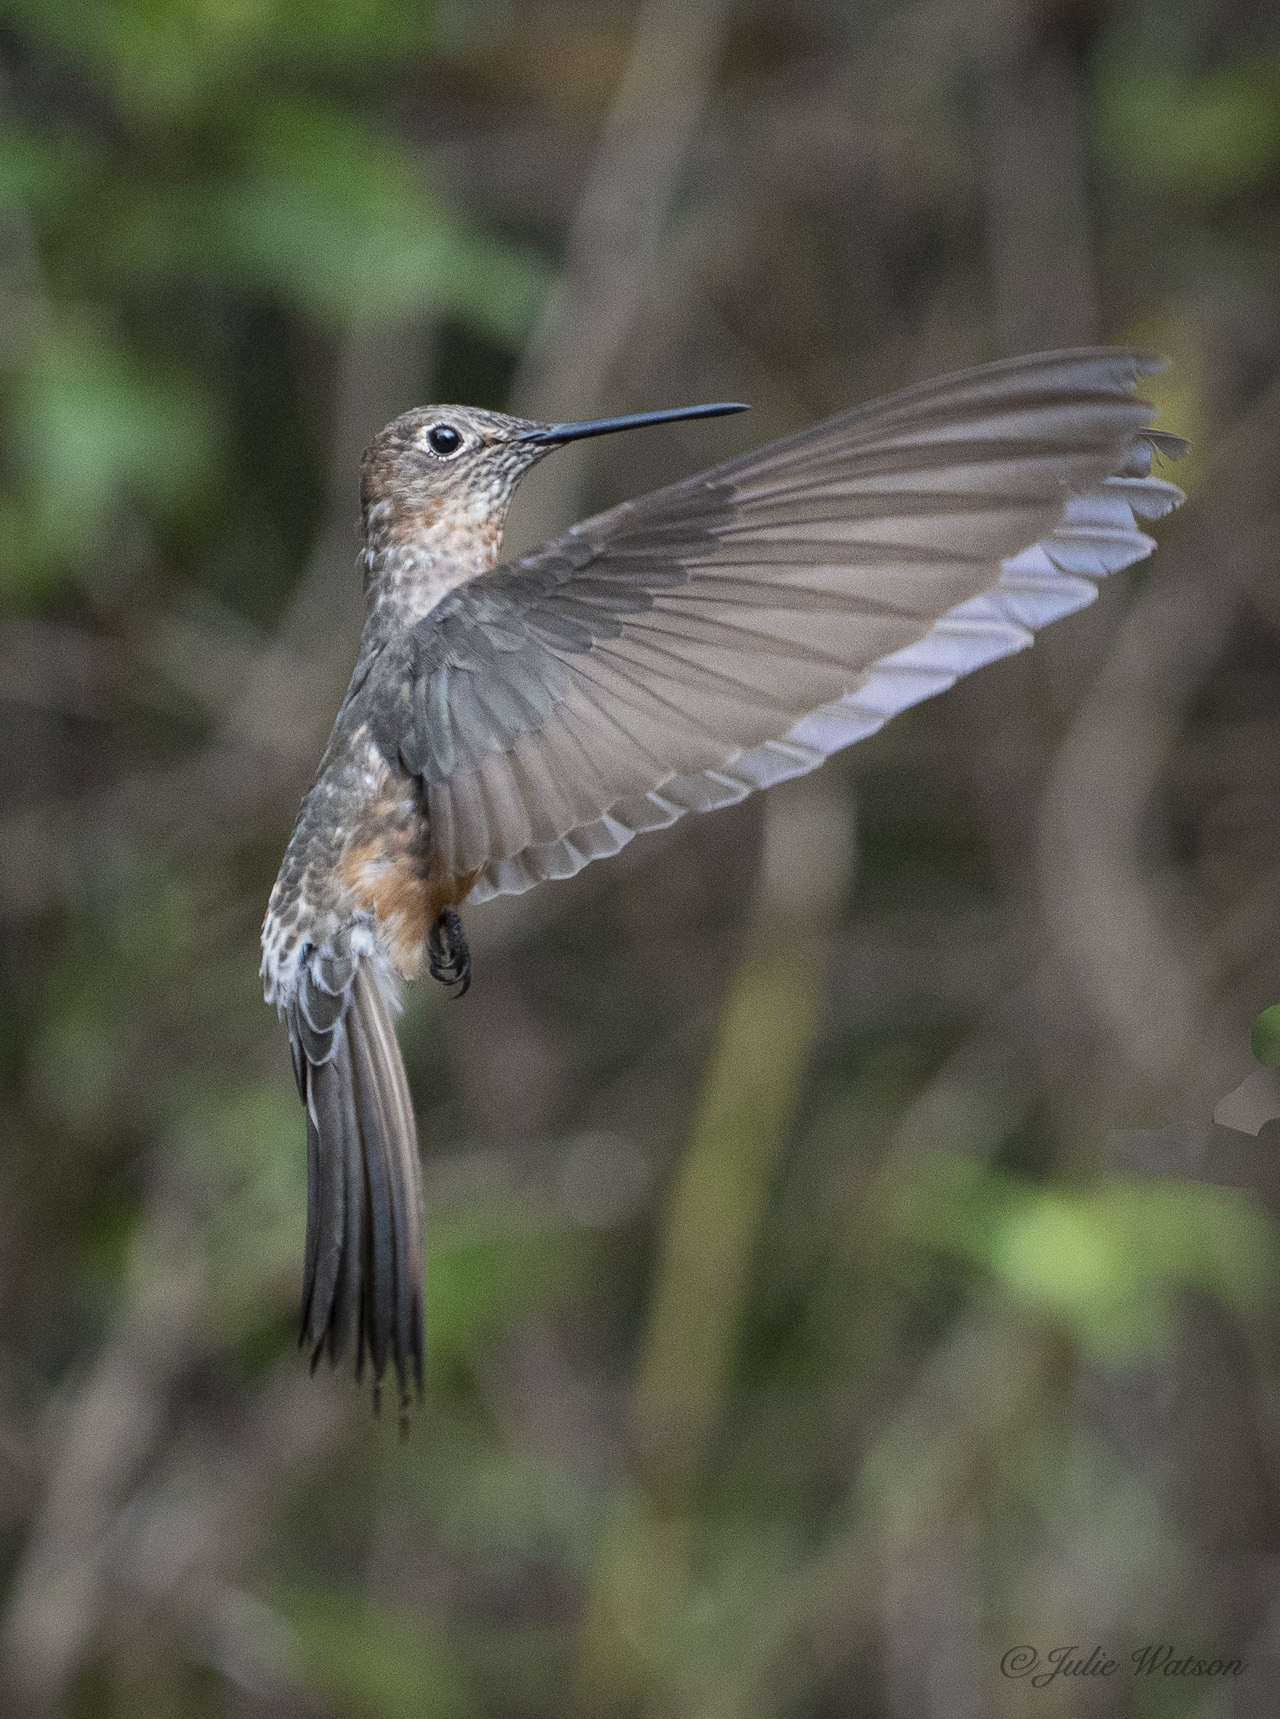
(1250, 1106)
(1168, 445)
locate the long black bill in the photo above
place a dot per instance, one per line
(552, 434)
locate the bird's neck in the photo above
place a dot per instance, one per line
(414, 556)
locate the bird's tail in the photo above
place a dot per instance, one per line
(363, 1274)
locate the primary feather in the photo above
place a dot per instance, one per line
(683, 649)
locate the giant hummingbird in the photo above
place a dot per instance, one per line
(508, 721)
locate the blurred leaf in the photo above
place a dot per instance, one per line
(91, 426)
(79, 1058)
(165, 58)
(1212, 136)
(1264, 1040)
(327, 217)
(383, 1667)
(257, 1139)
(1107, 1261)
(41, 169)
(476, 1284)
(523, 1511)
(127, 937)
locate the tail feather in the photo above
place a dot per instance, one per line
(363, 1271)
(313, 1205)
(344, 1318)
(399, 1138)
(324, 1249)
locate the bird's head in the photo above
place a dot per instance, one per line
(435, 485)
(440, 473)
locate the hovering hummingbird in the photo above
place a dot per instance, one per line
(509, 721)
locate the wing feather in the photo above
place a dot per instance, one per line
(715, 637)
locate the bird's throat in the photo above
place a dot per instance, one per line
(416, 555)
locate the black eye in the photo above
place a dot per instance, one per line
(443, 439)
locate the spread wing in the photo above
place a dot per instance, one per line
(684, 649)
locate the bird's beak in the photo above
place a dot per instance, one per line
(551, 435)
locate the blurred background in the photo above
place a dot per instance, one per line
(835, 1279)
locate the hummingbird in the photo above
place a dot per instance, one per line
(508, 721)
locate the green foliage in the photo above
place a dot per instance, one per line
(477, 1282)
(94, 426)
(245, 1138)
(235, 152)
(378, 1666)
(1202, 137)
(174, 60)
(1105, 1263)
(320, 213)
(1264, 1040)
(785, 1401)
(43, 169)
(95, 992)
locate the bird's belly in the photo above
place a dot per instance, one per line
(361, 848)
(390, 871)
(386, 867)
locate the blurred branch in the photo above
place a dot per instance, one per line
(1126, 945)
(709, 1235)
(273, 701)
(199, 808)
(766, 1037)
(617, 233)
(111, 1520)
(916, 1480)
(58, 668)
(380, 371)
(25, 311)
(1037, 209)
(109, 1430)
(1114, 934)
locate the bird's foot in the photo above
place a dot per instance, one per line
(448, 958)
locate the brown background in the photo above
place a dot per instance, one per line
(835, 1277)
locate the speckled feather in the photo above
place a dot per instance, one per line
(350, 912)
(506, 724)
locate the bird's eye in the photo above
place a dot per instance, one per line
(443, 439)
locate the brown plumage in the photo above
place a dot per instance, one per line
(507, 723)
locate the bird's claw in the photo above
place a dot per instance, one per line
(448, 958)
